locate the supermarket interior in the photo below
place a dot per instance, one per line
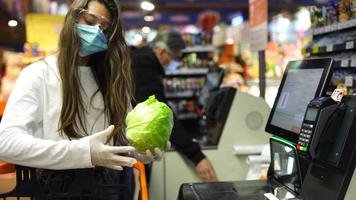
(206, 99)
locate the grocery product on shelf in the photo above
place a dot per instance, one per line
(331, 13)
(353, 8)
(344, 10)
(336, 40)
(183, 87)
(199, 39)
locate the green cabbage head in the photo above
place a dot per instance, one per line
(149, 125)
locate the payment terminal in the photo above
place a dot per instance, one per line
(303, 80)
(317, 114)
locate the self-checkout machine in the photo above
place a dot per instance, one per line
(241, 122)
(313, 147)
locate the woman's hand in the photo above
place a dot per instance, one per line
(148, 156)
(107, 156)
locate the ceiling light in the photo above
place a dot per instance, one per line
(12, 23)
(149, 18)
(230, 41)
(238, 20)
(283, 24)
(146, 5)
(146, 29)
(138, 37)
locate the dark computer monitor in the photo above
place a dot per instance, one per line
(303, 80)
(217, 110)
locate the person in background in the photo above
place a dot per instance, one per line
(149, 65)
(67, 111)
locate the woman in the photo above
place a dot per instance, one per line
(59, 110)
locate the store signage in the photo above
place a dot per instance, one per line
(329, 48)
(344, 63)
(258, 24)
(350, 45)
(353, 63)
(349, 81)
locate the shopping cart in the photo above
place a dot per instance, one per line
(30, 186)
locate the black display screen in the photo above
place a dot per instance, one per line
(302, 81)
(212, 82)
(311, 114)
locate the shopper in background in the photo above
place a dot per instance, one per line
(149, 64)
(60, 109)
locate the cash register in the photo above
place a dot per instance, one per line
(313, 150)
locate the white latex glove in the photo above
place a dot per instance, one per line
(148, 157)
(107, 156)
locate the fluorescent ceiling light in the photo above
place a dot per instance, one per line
(146, 29)
(138, 38)
(230, 41)
(149, 18)
(146, 5)
(12, 23)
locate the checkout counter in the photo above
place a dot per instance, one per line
(313, 147)
(246, 116)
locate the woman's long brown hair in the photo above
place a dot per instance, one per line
(111, 69)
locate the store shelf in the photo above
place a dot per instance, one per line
(331, 48)
(186, 116)
(269, 82)
(198, 49)
(189, 72)
(181, 95)
(345, 63)
(335, 27)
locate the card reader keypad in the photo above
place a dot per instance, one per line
(305, 136)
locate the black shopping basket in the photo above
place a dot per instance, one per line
(29, 186)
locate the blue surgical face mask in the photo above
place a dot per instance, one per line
(92, 39)
(172, 66)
